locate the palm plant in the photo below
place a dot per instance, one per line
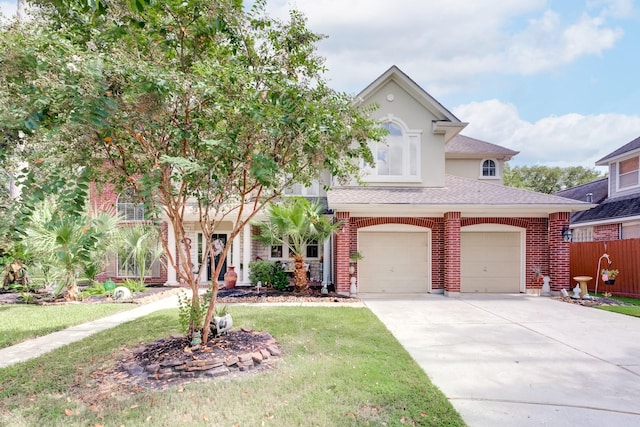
(294, 223)
(141, 244)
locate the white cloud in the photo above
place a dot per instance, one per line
(446, 43)
(566, 140)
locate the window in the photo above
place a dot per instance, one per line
(628, 173)
(299, 190)
(129, 267)
(398, 157)
(276, 251)
(582, 234)
(127, 207)
(489, 168)
(312, 249)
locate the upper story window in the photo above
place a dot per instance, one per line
(489, 168)
(628, 173)
(127, 207)
(398, 157)
(300, 190)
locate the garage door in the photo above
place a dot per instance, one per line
(394, 262)
(490, 262)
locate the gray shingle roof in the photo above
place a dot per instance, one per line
(461, 144)
(633, 145)
(457, 191)
(599, 190)
(610, 209)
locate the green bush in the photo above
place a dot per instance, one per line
(270, 273)
(134, 285)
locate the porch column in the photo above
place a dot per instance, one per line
(452, 254)
(171, 245)
(559, 253)
(326, 260)
(235, 253)
(246, 255)
(343, 243)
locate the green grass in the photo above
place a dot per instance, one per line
(341, 367)
(24, 321)
(629, 310)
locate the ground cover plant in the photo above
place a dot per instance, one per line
(24, 321)
(340, 366)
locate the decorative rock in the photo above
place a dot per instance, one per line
(230, 361)
(245, 357)
(265, 354)
(171, 362)
(275, 351)
(153, 368)
(257, 357)
(122, 293)
(217, 372)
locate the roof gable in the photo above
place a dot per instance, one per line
(625, 149)
(446, 123)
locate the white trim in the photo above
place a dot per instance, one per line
(610, 221)
(631, 187)
(410, 138)
(246, 253)
(497, 167)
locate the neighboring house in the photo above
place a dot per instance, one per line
(432, 217)
(617, 214)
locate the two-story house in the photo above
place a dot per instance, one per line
(617, 214)
(433, 215)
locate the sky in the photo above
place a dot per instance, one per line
(556, 80)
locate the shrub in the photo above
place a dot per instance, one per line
(134, 285)
(270, 273)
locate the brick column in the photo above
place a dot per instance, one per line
(342, 254)
(558, 252)
(452, 254)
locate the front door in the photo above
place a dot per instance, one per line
(218, 241)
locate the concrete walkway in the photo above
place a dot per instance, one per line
(38, 346)
(517, 360)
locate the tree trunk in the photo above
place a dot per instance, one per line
(300, 274)
(72, 287)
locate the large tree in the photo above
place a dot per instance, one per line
(546, 179)
(192, 101)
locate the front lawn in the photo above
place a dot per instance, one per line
(24, 321)
(629, 310)
(341, 367)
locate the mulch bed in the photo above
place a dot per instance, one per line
(591, 302)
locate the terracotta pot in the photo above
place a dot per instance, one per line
(230, 278)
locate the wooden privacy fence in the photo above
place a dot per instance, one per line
(624, 256)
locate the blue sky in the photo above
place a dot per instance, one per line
(556, 80)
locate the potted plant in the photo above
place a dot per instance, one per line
(609, 276)
(354, 257)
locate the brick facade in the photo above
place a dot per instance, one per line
(545, 249)
(606, 232)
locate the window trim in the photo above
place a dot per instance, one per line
(410, 136)
(496, 166)
(637, 172)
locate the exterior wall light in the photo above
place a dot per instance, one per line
(567, 235)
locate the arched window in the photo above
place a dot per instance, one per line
(398, 157)
(128, 208)
(489, 168)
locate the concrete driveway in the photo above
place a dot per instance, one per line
(518, 360)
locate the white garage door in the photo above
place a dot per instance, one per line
(490, 262)
(394, 262)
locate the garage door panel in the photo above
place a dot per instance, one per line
(490, 262)
(393, 262)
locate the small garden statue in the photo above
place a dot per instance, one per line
(15, 274)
